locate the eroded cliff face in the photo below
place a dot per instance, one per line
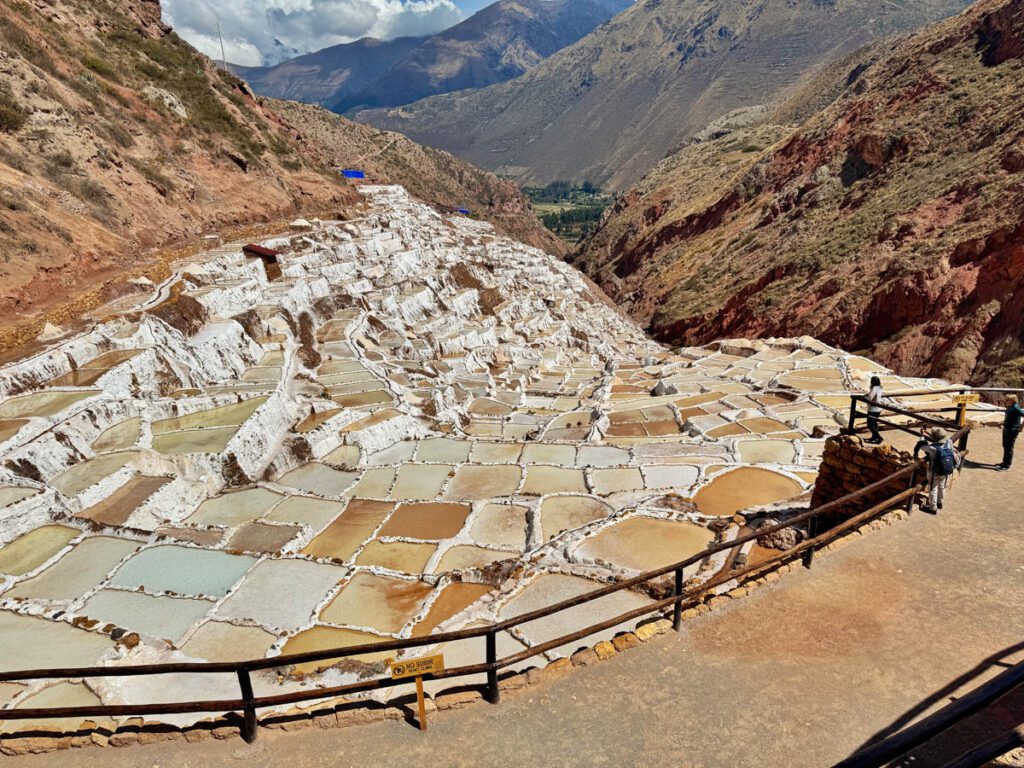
(119, 144)
(890, 221)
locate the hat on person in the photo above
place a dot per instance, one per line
(936, 435)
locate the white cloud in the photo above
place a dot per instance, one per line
(264, 31)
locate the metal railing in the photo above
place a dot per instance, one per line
(248, 703)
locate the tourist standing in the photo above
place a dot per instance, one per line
(875, 400)
(1011, 430)
(943, 460)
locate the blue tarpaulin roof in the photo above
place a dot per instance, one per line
(350, 174)
(465, 211)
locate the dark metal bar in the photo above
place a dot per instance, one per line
(812, 531)
(677, 611)
(990, 750)
(922, 731)
(493, 694)
(248, 710)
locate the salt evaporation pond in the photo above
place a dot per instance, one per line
(418, 426)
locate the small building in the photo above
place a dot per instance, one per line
(268, 256)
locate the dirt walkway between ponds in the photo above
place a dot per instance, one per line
(889, 627)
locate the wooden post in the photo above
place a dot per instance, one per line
(677, 609)
(420, 701)
(249, 711)
(961, 422)
(493, 694)
(851, 427)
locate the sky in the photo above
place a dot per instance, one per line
(268, 31)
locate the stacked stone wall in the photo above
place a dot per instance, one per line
(849, 465)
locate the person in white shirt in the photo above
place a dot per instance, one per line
(875, 400)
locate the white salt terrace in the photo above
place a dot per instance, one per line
(421, 426)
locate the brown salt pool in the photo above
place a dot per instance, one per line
(566, 513)
(643, 543)
(321, 638)
(402, 556)
(742, 488)
(430, 520)
(346, 534)
(118, 507)
(454, 598)
(382, 603)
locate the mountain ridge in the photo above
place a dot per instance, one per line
(667, 67)
(497, 43)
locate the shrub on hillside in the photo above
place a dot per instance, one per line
(12, 115)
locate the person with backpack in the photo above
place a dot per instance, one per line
(1011, 430)
(875, 400)
(943, 461)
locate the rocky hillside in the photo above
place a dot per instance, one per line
(890, 221)
(501, 42)
(118, 139)
(328, 76)
(611, 106)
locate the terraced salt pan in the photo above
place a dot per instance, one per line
(643, 543)
(221, 641)
(282, 594)
(449, 426)
(230, 509)
(553, 588)
(78, 571)
(182, 571)
(166, 618)
(382, 603)
(60, 694)
(742, 488)
(42, 404)
(31, 550)
(34, 643)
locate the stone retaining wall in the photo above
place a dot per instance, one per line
(848, 465)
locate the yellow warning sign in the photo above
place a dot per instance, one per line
(428, 665)
(970, 399)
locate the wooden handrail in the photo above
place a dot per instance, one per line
(249, 704)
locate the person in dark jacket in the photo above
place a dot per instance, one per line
(1011, 430)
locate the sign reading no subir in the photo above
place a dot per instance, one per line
(427, 665)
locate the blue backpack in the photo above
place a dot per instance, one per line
(945, 461)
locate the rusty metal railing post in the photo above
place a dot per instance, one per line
(913, 482)
(677, 608)
(812, 531)
(493, 694)
(249, 711)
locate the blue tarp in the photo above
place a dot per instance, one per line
(349, 174)
(464, 211)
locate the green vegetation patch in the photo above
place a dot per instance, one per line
(12, 115)
(571, 212)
